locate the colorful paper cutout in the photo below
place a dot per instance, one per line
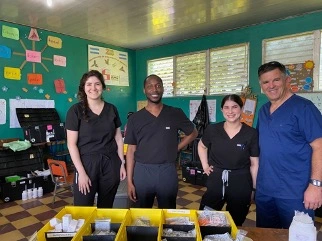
(54, 42)
(25, 90)
(9, 32)
(12, 73)
(34, 79)
(70, 99)
(59, 85)
(60, 60)
(33, 35)
(5, 52)
(41, 91)
(33, 56)
(47, 96)
(4, 88)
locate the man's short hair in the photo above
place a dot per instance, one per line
(271, 66)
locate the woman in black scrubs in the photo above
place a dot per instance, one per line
(229, 155)
(95, 144)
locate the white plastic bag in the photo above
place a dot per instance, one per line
(302, 228)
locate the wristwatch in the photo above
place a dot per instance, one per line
(315, 182)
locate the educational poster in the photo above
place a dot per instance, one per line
(111, 63)
(26, 103)
(194, 105)
(301, 76)
(248, 111)
(316, 98)
(3, 113)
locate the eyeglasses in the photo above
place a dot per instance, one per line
(271, 66)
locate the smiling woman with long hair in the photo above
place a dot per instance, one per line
(95, 144)
(229, 153)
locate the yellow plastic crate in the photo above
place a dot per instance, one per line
(76, 212)
(116, 216)
(230, 220)
(155, 216)
(191, 214)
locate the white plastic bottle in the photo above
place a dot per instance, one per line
(40, 192)
(24, 195)
(29, 193)
(34, 193)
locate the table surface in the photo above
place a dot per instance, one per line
(266, 234)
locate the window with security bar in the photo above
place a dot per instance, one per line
(301, 55)
(164, 69)
(215, 71)
(228, 71)
(190, 74)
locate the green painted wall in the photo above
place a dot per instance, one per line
(75, 50)
(253, 34)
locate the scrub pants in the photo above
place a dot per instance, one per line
(276, 212)
(156, 180)
(237, 193)
(104, 173)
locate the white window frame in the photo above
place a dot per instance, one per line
(316, 55)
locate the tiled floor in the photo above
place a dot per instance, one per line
(20, 219)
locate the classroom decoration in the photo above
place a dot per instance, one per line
(12, 73)
(60, 86)
(250, 101)
(34, 79)
(301, 76)
(60, 60)
(54, 42)
(4, 88)
(111, 63)
(5, 52)
(32, 56)
(10, 32)
(33, 35)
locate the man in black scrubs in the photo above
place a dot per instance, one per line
(152, 138)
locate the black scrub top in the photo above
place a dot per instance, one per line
(226, 153)
(97, 134)
(156, 138)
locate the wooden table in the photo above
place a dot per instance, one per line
(266, 234)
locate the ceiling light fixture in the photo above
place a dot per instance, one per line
(49, 3)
